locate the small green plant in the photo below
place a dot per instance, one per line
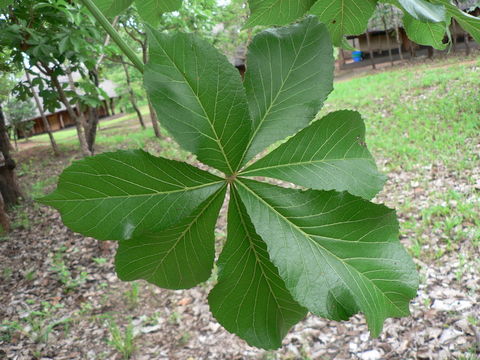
(64, 275)
(100, 260)
(30, 275)
(37, 324)
(132, 295)
(123, 342)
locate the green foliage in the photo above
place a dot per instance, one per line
(287, 250)
(123, 342)
(149, 10)
(426, 21)
(5, 3)
(17, 111)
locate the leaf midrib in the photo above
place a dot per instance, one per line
(267, 112)
(252, 249)
(137, 195)
(180, 236)
(320, 246)
(217, 139)
(246, 171)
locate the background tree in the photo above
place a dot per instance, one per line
(17, 111)
(58, 38)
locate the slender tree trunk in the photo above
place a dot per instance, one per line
(370, 50)
(388, 39)
(73, 115)
(46, 124)
(9, 188)
(112, 106)
(467, 43)
(133, 99)
(91, 131)
(154, 118)
(454, 38)
(430, 52)
(399, 43)
(153, 114)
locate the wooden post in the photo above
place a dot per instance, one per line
(388, 39)
(370, 50)
(466, 38)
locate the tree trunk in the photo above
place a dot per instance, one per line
(4, 219)
(154, 118)
(46, 124)
(153, 114)
(9, 189)
(91, 130)
(112, 106)
(133, 99)
(370, 50)
(454, 37)
(388, 39)
(430, 52)
(399, 43)
(467, 43)
(73, 115)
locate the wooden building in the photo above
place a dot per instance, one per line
(60, 119)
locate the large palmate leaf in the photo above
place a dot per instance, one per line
(114, 196)
(338, 254)
(250, 298)
(199, 97)
(344, 16)
(175, 258)
(329, 154)
(287, 250)
(425, 33)
(276, 12)
(289, 76)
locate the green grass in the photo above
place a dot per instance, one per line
(69, 135)
(420, 115)
(422, 120)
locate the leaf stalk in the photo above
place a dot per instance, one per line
(100, 17)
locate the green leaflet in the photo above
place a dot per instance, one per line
(114, 196)
(425, 33)
(179, 257)
(151, 10)
(250, 298)
(199, 97)
(329, 154)
(468, 22)
(276, 12)
(344, 16)
(338, 254)
(112, 8)
(5, 3)
(422, 10)
(289, 75)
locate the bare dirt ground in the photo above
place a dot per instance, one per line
(60, 297)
